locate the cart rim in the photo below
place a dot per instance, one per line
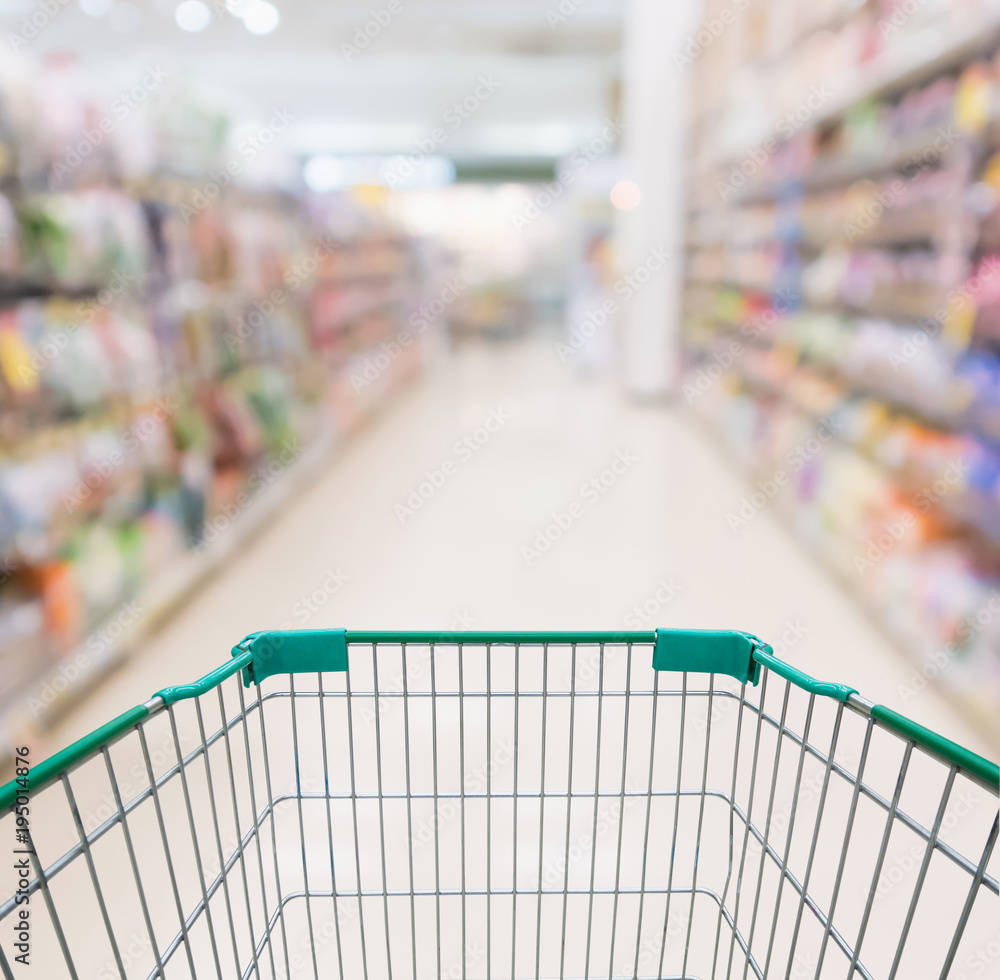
(982, 770)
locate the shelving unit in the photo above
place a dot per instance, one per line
(852, 280)
(169, 376)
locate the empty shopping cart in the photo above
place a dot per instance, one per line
(371, 805)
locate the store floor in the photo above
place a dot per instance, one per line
(648, 546)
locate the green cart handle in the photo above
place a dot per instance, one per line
(732, 652)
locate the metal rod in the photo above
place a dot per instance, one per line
(541, 818)
(329, 831)
(597, 800)
(274, 830)
(621, 814)
(302, 828)
(218, 836)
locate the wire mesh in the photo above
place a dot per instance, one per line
(471, 812)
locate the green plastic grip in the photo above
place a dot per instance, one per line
(708, 651)
(765, 655)
(181, 692)
(292, 652)
(984, 770)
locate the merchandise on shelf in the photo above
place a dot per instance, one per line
(842, 315)
(162, 365)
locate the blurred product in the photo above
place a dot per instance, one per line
(842, 310)
(171, 347)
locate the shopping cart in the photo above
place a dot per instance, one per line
(475, 805)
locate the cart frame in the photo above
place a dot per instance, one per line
(719, 654)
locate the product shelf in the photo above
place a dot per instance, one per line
(834, 257)
(932, 50)
(158, 347)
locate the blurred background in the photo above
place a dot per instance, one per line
(440, 314)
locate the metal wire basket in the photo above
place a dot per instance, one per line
(490, 805)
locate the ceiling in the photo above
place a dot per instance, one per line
(539, 81)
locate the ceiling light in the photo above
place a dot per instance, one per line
(193, 16)
(324, 173)
(261, 17)
(625, 195)
(413, 172)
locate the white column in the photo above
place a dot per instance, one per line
(655, 110)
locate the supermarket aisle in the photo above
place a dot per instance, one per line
(507, 444)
